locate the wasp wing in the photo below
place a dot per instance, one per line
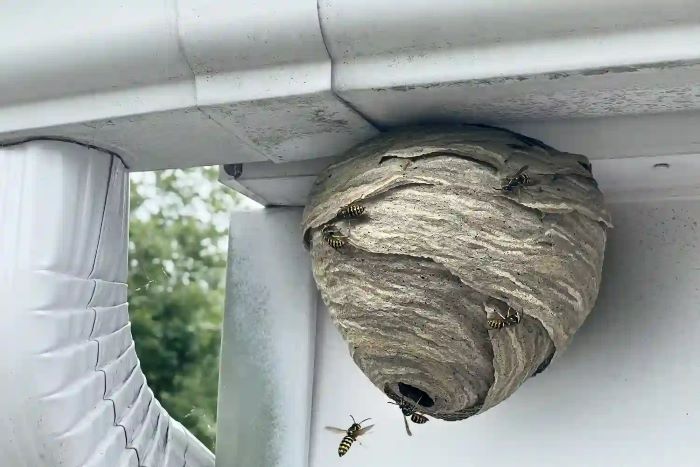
(363, 430)
(498, 312)
(522, 169)
(336, 429)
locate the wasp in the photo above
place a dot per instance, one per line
(351, 434)
(351, 211)
(516, 180)
(334, 237)
(511, 318)
(409, 411)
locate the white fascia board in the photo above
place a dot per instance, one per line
(197, 82)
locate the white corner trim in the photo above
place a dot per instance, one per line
(267, 355)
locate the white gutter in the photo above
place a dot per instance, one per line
(193, 82)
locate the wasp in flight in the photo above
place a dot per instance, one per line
(518, 179)
(511, 318)
(409, 411)
(351, 211)
(351, 434)
(334, 237)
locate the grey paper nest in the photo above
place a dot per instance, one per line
(440, 249)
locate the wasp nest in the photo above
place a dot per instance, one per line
(456, 261)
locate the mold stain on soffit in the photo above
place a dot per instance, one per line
(693, 65)
(656, 88)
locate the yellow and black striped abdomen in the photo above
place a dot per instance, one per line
(496, 323)
(419, 418)
(345, 445)
(336, 242)
(351, 211)
(333, 237)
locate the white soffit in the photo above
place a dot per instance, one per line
(622, 180)
(623, 151)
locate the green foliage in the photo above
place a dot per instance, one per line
(177, 262)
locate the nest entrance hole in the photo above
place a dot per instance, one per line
(414, 394)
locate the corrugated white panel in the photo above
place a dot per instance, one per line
(177, 445)
(76, 395)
